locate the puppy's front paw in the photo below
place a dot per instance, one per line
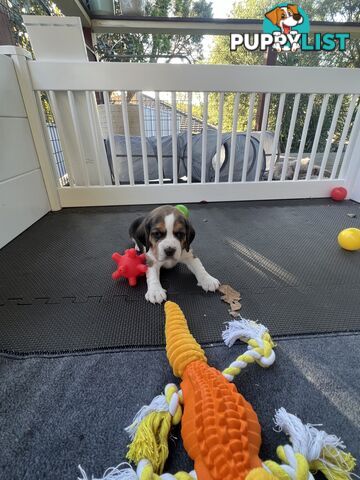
(156, 295)
(208, 283)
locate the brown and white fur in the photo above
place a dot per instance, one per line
(165, 235)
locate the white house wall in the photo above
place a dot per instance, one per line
(23, 198)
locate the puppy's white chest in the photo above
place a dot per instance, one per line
(169, 263)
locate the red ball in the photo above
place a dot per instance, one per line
(338, 194)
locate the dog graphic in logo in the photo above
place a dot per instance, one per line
(286, 28)
(286, 18)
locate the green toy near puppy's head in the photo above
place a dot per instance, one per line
(184, 210)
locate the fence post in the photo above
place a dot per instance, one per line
(353, 172)
(20, 58)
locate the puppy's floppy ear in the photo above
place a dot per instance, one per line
(190, 235)
(274, 15)
(140, 232)
(147, 228)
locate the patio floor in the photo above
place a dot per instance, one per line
(71, 338)
(282, 256)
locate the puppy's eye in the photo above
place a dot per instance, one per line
(283, 15)
(157, 234)
(180, 235)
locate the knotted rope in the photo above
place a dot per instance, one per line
(260, 346)
(151, 426)
(311, 450)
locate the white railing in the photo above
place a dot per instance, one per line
(71, 89)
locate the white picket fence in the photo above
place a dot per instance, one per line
(71, 88)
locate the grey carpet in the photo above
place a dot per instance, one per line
(57, 295)
(58, 412)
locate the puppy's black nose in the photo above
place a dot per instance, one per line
(169, 252)
(297, 16)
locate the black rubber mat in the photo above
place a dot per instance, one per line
(57, 295)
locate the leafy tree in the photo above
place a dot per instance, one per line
(342, 11)
(148, 47)
(321, 10)
(128, 47)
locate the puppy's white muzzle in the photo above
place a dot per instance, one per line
(169, 245)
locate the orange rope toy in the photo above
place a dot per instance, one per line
(220, 429)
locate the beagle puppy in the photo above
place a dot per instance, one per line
(285, 18)
(165, 234)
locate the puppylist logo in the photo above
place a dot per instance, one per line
(286, 28)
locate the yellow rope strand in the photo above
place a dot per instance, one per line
(145, 471)
(260, 351)
(336, 465)
(297, 463)
(300, 468)
(151, 438)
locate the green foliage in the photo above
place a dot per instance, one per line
(320, 10)
(47, 110)
(128, 47)
(303, 105)
(197, 109)
(149, 48)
